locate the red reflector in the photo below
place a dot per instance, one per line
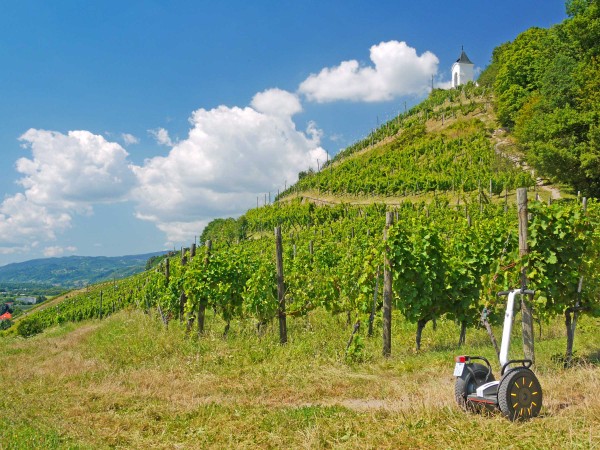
(460, 359)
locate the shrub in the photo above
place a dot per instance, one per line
(29, 327)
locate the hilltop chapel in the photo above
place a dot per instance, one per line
(462, 70)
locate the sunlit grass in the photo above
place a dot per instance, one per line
(129, 382)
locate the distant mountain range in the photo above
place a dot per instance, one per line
(74, 271)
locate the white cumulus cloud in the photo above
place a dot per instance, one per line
(161, 136)
(231, 156)
(73, 170)
(67, 174)
(129, 139)
(56, 250)
(397, 70)
(276, 102)
(23, 223)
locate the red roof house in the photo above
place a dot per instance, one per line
(6, 316)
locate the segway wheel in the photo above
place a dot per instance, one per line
(520, 394)
(468, 383)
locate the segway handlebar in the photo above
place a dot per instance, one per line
(525, 292)
(508, 321)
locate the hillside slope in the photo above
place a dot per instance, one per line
(448, 145)
(547, 83)
(190, 354)
(129, 382)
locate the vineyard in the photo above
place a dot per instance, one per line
(457, 158)
(445, 252)
(446, 261)
(330, 316)
(439, 106)
(296, 304)
(296, 317)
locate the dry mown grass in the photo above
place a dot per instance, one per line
(127, 382)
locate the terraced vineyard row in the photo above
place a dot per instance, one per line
(446, 262)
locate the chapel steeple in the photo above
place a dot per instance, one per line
(462, 70)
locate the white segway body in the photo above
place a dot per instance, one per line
(517, 394)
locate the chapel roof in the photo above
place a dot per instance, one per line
(463, 58)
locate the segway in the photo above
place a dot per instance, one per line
(518, 394)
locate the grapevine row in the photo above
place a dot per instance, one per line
(445, 262)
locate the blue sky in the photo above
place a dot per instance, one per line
(126, 126)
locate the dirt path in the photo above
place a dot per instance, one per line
(502, 144)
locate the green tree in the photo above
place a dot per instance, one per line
(488, 76)
(520, 67)
(547, 87)
(225, 230)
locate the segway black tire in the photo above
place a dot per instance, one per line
(468, 383)
(520, 394)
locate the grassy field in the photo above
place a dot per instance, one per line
(127, 382)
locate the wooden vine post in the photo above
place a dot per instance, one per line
(572, 324)
(167, 270)
(182, 297)
(387, 290)
(374, 305)
(280, 287)
(203, 301)
(490, 332)
(526, 309)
